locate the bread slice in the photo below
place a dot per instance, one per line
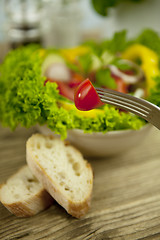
(23, 195)
(63, 172)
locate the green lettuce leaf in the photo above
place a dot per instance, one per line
(155, 93)
(150, 39)
(117, 44)
(103, 78)
(102, 6)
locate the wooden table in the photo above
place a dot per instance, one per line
(125, 202)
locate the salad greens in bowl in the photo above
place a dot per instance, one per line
(37, 88)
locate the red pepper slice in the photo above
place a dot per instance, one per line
(66, 89)
(86, 97)
(75, 80)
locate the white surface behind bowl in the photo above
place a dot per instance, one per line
(102, 145)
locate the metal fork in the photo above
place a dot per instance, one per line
(138, 106)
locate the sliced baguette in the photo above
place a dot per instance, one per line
(23, 195)
(63, 172)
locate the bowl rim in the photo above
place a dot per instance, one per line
(81, 132)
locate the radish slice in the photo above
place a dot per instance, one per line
(128, 79)
(58, 72)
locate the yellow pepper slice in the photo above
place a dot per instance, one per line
(149, 61)
(42, 52)
(91, 113)
(71, 53)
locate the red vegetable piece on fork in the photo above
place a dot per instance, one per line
(86, 97)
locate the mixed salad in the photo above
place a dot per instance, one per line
(37, 86)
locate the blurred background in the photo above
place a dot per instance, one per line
(66, 23)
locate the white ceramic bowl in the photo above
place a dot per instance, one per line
(103, 145)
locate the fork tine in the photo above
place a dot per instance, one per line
(123, 97)
(121, 101)
(125, 106)
(138, 106)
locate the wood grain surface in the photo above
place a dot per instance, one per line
(125, 202)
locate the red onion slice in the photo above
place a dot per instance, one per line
(127, 78)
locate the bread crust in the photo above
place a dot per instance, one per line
(76, 209)
(32, 206)
(29, 206)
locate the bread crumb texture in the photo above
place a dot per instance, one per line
(24, 195)
(20, 186)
